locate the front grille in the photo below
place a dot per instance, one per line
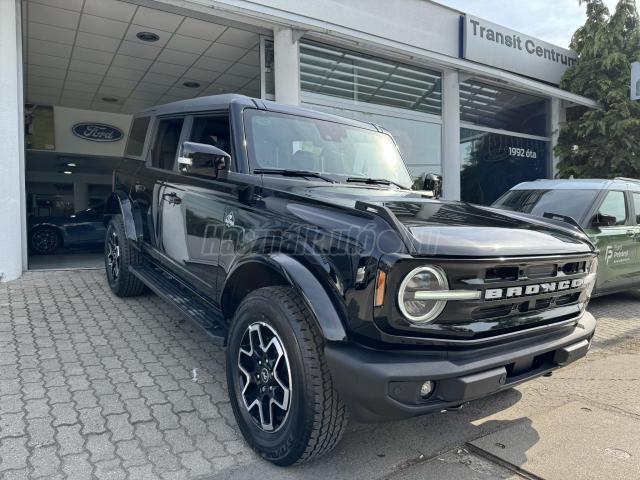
(525, 298)
(515, 308)
(526, 285)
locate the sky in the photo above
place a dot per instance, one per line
(551, 20)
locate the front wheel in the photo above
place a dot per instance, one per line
(280, 386)
(45, 240)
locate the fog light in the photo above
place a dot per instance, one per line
(426, 389)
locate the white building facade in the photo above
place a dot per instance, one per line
(465, 98)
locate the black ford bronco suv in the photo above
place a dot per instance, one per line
(294, 239)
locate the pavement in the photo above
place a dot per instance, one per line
(94, 386)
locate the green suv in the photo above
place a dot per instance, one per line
(607, 210)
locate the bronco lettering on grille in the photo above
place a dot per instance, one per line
(535, 289)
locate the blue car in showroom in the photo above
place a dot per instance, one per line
(81, 229)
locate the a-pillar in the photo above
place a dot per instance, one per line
(11, 168)
(286, 65)
(451, 135)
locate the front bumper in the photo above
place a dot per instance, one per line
(381, 385)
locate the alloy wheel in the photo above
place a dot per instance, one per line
(113, 256)
(265, 376)
(44, 240)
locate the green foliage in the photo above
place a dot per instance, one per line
(603, 142)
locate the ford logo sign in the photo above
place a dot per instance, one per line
(97, 132)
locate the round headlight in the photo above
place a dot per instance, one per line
(420, 280)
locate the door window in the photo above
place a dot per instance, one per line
(636, 203)
(212, 131)
(614, 206)
(166, 146)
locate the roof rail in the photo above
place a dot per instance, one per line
(627, 179)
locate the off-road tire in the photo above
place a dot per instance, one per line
(124, 284)
(317, 417)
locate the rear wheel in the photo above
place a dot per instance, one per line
(118, 257)
(45, 240)
(280, 386)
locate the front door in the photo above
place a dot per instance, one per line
(635, 201)
(616, 242)
(192, 214)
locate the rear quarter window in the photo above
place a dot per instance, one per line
(137, 136)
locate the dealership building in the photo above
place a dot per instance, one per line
(474, 101)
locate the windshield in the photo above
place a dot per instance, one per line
(571, 203)
(290, 142)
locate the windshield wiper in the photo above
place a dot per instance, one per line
(374, 181)
(292, 173)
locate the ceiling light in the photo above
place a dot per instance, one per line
(191, 84)
(147, 36)
(67, 172)
(71, 165)
(109, 99)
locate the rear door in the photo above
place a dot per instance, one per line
(616, 242)
(167, 190)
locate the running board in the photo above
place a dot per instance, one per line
(202, 314)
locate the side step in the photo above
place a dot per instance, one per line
(203, 315)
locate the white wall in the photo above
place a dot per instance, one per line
(11, 142)
(417, 23)
(67, 142)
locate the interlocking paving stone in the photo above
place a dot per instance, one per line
(95, 386)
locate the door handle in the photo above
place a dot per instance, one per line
(632, 233)
(172, 198)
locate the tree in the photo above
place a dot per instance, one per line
(603, 142)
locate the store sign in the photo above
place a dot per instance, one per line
(494, 45)
(97, 132)
(635, 81)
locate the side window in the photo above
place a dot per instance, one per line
(213, 130)
(166, 144)
(137, 135)
(614, 206)
(636, 203)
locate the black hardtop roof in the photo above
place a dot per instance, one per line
(223, 102)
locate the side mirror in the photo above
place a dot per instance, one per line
(433, 183)
(600, 221)
(202, 159)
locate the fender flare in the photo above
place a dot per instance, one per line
(120, 203)
(298, 276)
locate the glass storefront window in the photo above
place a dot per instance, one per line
(499, 108)
(269, 76)
(336, 72)
(492, 163)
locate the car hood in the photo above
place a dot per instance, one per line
(443, 228)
